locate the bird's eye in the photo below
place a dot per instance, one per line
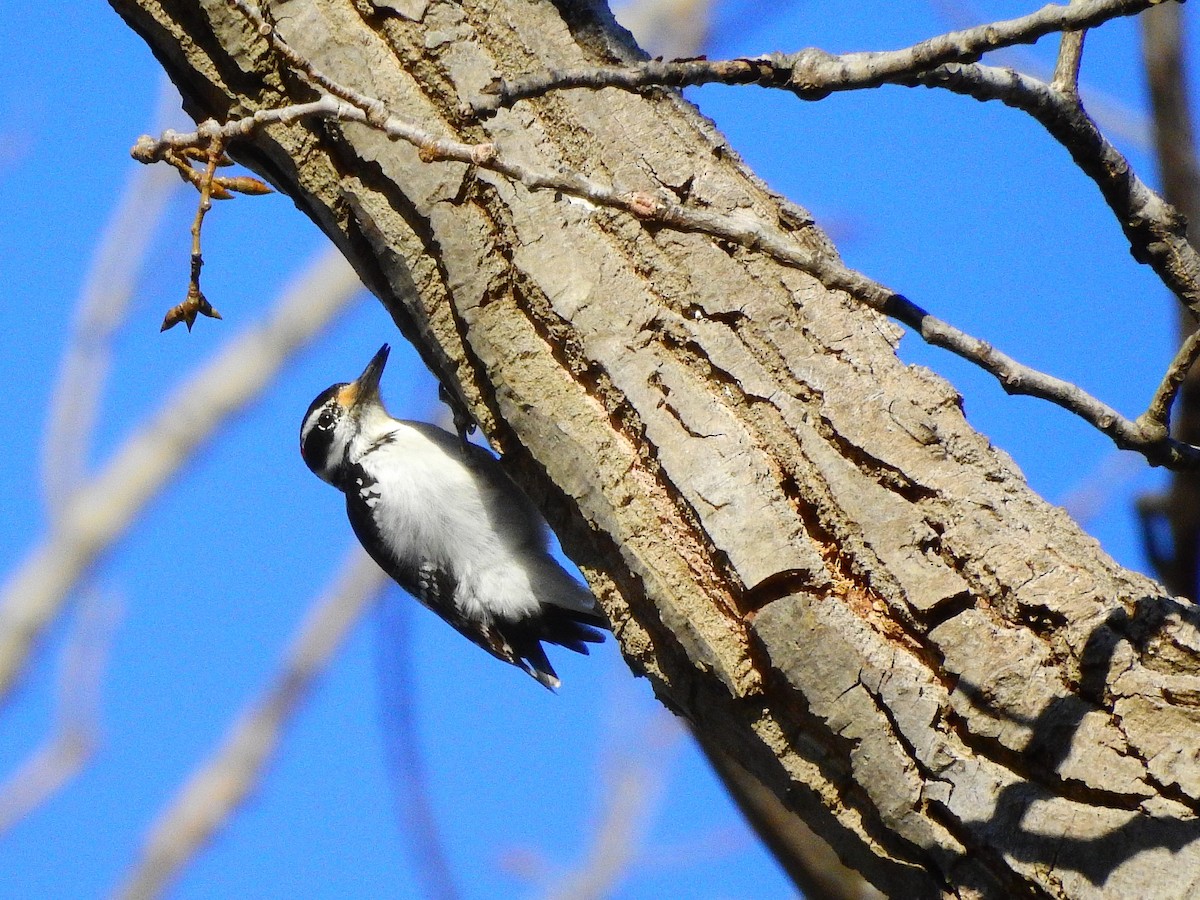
(326, 420)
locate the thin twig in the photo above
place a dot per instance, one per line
(1158, 414)
(376, 111)
(215, 151)
(628, 799)
(195, 303)
(101, 511)
(218, 788)
(211, 150)
(813, 73)
(1066, 67)
(1070, 55)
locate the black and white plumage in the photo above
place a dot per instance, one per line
(442, 518)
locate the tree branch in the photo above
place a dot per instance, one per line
(813, 73)
(1158, 414)
(1156, 232)
(76, 730)
(103, 302)
(743, 230)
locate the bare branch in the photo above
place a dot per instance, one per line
(812, 73)
(1157, 234)
(195, 303)
(375, 110)
(70, 423)
(754, 234)
(100, 512)
(219, 787)
(629, 797)
(1085, 500)
(1111, 113)
(631, 792)
(1158, 414)
(1066, 70)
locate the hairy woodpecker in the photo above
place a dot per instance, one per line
(443, 519)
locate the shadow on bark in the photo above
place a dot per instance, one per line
(1050, 745)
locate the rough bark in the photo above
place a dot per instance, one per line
(798, 538)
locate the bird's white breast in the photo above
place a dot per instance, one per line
(431, 506)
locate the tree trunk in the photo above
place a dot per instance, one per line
(798, 538)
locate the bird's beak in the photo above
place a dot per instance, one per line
(366, 387)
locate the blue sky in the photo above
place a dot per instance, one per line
(967, 208)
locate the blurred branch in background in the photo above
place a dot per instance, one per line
(100, 511)
(1171, 521)
(219, 787)
(634, 768)
(70, 427)
(1087, 498)
(668, 28)
(76, 730)
(632, 785)
(408, 773)
(103, 303)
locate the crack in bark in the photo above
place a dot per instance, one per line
(832, 753)
(995, 864)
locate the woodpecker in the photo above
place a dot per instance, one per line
(442, 518)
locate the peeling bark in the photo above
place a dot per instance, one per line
(798, 538)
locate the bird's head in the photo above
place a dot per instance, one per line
(338, 416)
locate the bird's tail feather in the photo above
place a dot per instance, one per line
(540, 668)
(572, 629)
